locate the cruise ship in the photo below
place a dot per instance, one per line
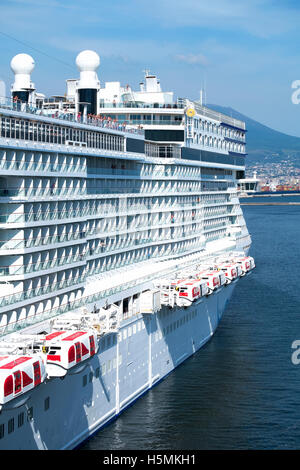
(122, 240)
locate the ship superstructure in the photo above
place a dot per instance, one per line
(249, 185)
(122, 239)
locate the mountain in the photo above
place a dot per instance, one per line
(262, 141)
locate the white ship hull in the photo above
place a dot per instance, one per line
(77, 411)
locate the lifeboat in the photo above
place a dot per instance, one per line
(230, 271)
(67, 349)
(190, 290)
(19, 374)
(212, 279)
(247, 264)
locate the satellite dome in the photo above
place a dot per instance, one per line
(87, 61)
(22, 63)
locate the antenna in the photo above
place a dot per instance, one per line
(201, 97)
(146, 72)
(204, 91)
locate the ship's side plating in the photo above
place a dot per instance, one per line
(61, 413)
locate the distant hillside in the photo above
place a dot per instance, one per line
(262, 141)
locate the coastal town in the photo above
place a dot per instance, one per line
(276, 174)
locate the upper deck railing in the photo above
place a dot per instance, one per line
(202, 110)
(181, 104)
(140, 104)
(90, 120)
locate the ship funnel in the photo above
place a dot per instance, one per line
(88, 85)
(22, 65)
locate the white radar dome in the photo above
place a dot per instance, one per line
(22, 64)
(87, 61)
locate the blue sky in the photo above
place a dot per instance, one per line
(245, 52)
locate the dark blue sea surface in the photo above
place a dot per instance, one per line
(241, 390)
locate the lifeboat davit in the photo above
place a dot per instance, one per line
(167, 287)
(19, 374)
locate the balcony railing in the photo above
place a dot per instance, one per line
(16, 269)
(41, 290)
(43, 167)
(140, 104)
(104, 294)
(17, 244)
(19, 217)
(96, 121)
(108, 210)
(41, 192)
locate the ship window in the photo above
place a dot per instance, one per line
(30, 413)
(20, 419)
(1, 431)
(11, 425)
(47, 403)
(84, 380)
(97, 373)
(90, 376)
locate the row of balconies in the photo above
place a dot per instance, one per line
(81, 169)
(66, 304)
(119, 260)
(111, 227)
(42, 192)
(41, 261)
(23, 166)
(107, 188)
(119, 245)
(103, 210)
(24, 295)
(25, 243)
(215, 235)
